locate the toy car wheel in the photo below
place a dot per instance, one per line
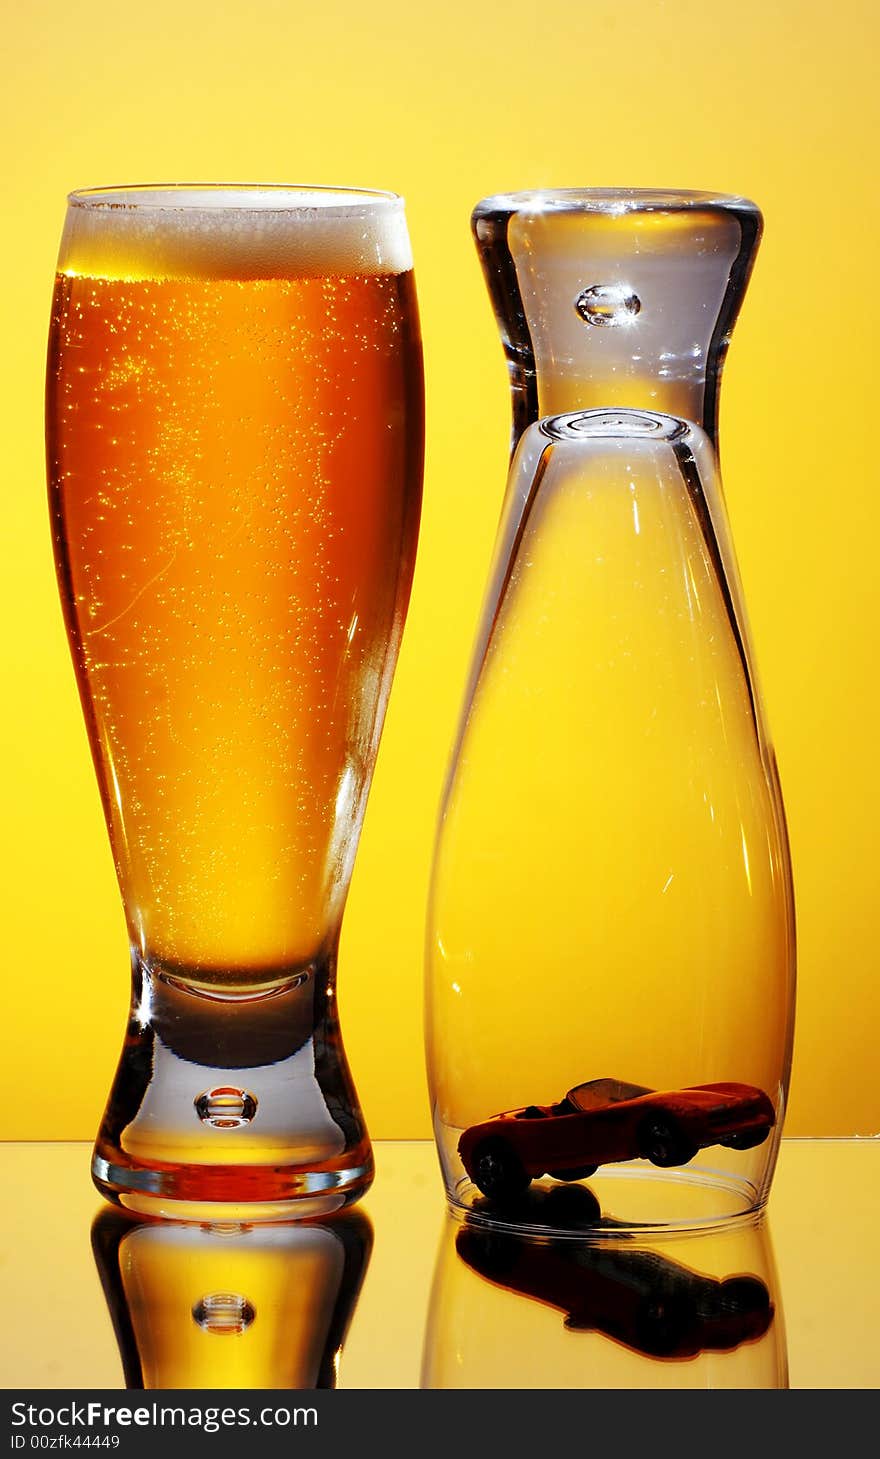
(498, 1171)
(745, 1139)
(663, 1142)
(572, 1205)
(579, 1172)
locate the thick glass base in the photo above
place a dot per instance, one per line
(182, 1194)
(626, 1200)
(233, 1107)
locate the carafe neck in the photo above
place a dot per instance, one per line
(612, 298)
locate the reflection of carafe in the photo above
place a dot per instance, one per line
(607, 1311)
(611, 931)
(231, 1306)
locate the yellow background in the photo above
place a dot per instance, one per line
(772, 98)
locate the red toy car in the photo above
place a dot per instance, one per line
(641, 1299)
(606, 1120)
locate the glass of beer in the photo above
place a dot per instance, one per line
(234, 442)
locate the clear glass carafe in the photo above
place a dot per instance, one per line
(611, 931)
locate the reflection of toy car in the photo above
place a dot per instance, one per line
(606, 1120)
(639, 1298)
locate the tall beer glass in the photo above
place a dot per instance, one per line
(235, 434)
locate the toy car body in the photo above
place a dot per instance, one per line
(606, 1120)
(639, 1298)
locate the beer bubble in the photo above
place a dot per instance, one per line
(223, 1313)
(608, 305)
(225, 1108)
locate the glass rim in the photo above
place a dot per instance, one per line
(231, 197)
(611, 201)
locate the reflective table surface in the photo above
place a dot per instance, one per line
(396, 1293)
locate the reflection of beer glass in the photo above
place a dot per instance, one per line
(229, 1305)
(234, 447)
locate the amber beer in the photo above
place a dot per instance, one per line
(235, 441)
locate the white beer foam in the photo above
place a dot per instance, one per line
(233, 233)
